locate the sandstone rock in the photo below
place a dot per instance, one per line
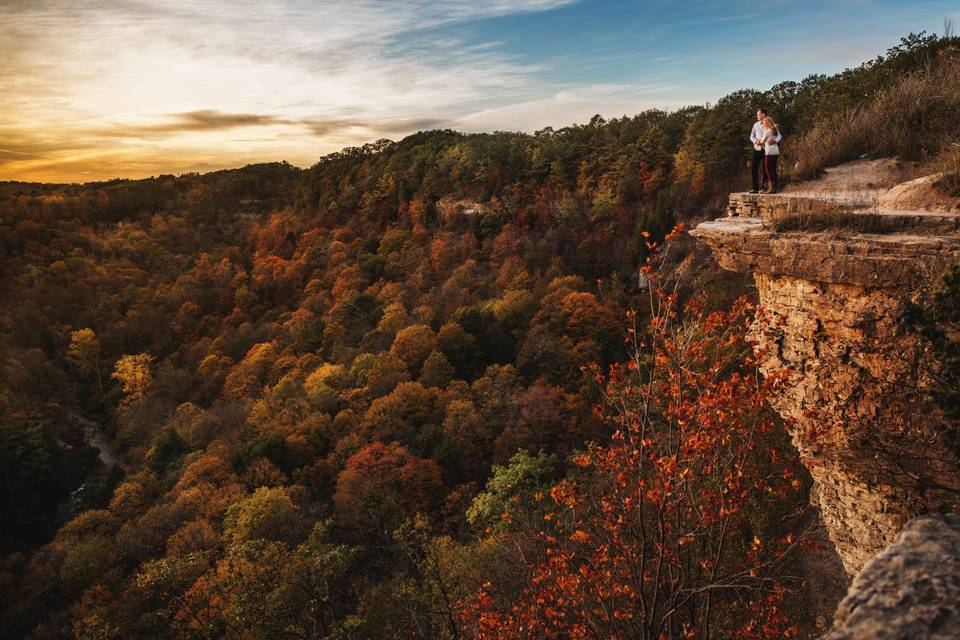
(858, 181)
(921, 195)
(910, 591)
(854, 398)
(897, 260)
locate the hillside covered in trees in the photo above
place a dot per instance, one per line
(434, 388)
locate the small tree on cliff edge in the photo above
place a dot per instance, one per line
(661, 532)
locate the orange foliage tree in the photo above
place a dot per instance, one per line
(381, 485)
(675, 528)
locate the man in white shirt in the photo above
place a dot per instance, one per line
(757, 173)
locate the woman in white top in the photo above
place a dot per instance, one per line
(771, 152)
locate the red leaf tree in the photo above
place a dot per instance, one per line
(675, 527)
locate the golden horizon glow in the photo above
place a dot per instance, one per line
(134, 90)
(93, 90)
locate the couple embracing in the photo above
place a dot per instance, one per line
(765, 137)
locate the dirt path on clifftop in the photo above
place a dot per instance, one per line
(884, 185)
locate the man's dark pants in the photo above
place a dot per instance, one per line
(756, 171)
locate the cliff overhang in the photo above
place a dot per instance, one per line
(832, 281)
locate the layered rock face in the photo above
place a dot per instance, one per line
(909, 591)
(854, 397)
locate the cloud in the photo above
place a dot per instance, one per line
(279, 78)
(200, 120)
(323, 127)
(574, 104)
(10, 154)
(735, 18)
(212, 119)
(99, 89)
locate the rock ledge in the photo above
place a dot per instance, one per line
(910, 591)
(856, 399)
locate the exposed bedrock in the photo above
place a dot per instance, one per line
(854, 399)
(910, 591)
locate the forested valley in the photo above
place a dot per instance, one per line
(453, 386)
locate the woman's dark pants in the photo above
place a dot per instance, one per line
(770, 164)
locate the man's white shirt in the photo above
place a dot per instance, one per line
(756, 133)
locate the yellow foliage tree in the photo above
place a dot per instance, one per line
(84, 352)
(134, 372)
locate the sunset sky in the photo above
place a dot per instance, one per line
(96, 89)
